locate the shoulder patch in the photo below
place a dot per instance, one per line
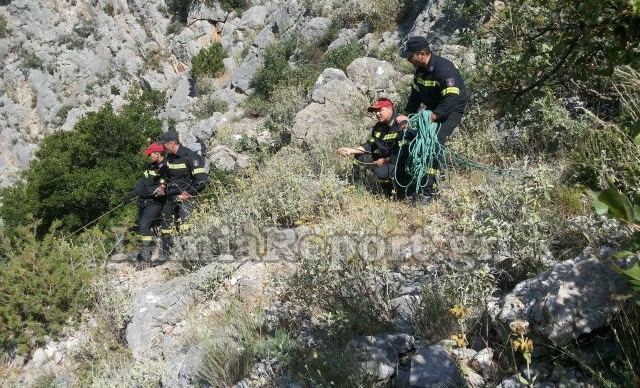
(195, 162)
(451, 81)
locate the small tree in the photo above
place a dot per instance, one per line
(81, 174)
(208, 62)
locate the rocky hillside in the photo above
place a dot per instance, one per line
(296, 272)
(61, 59)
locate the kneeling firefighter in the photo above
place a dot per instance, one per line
(150, 190)
(380, 151)
(186, 179)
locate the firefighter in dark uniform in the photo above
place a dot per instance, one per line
(381, 149)
(186, 178)
(150, 190)
(438, 86)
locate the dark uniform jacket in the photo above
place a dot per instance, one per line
(147, 184)
(185, 172)
(439, 86)
(384, 139)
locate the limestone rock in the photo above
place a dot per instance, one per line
(254, 17)
(403, 310)
(224, 158)
(372, 75)
(433, 366)
(159, 306)
(315, 28)
(378, 356)
(572, 298)
(332, 107)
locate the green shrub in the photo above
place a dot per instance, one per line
(62, 114)
(208, 62)
(81, 174)
(341, 57)
(234, 5)
(207, 107)
(3, 26)
(381, 16)
(278, 71)
(540, 45)
(42, 285)
(31, 60)
(109, 9)
(180, 9)
(545, 128)
(174, 28)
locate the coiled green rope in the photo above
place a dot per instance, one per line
(426, 153)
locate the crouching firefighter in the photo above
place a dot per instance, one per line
(380, 151)
(150, 190)
(438, 87)
(186, 178)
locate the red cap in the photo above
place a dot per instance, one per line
(154, 147)
(381, 103)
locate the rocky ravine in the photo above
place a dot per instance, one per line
(63, 58)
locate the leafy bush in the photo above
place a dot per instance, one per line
(208, 62)
(174, 28)
(180, 9)
(514, 221)
(42, 285)
(234, 5)
(341, 57)
(278, 70)
(31, 60)
(381, 16)
(207, 107)
(79, 175)
(556, 43)
(233, 341)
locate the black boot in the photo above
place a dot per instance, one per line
(167, 245)
(146, 252)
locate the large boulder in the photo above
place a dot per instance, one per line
(225, 159)
(373, 76)
(335, 104)
(159, 307)
(433, 366)
(378, 356)
(572, 298)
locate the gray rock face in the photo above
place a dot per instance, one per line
(205, 129)
(371, 75)
(347, 36)
(224, 158)
(254, 17)
(160, 306)
(335, 103)
(332, 107)
(403, 310)
(378, 356)
(315, 28)
(252, 62)
(433, 366)
(183, 369)
(572, 298)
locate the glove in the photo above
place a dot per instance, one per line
(159, 191)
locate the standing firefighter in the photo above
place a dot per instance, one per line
(150, 190)
(381, 149)
(186, 178)
(438, 86)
